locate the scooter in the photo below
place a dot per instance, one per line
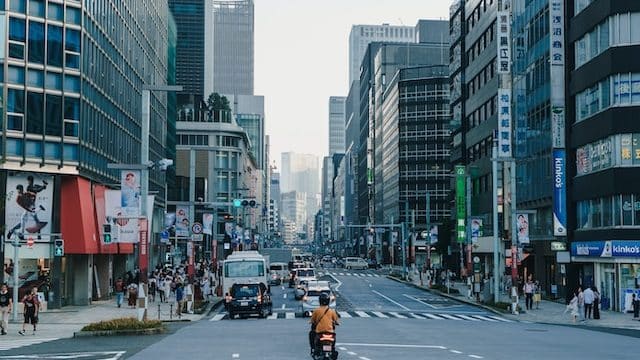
(325, 347)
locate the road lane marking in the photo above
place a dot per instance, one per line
(218, 317)
(416, 316)
(284, 306)
(409, 346)
(467, 317)
(484, 318)
(456, 351)
(420, 301)
(273, 316)
(499, 318)
(379, 314)
(290, 315)
(284, 295)
(283, 288)
(341, 274)
(344, 314)
(399, 316)
(351, 353)
(450, 317)
(476, 356)
(235, 356)
(343, 348)
(364, 358)
(431, 316)
(362, 314)
(391, 300)
(338, 281)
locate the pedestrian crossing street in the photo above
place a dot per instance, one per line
(387, 315)
(27, 340)
(321, 273)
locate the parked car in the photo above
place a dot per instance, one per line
(355, 263)
(311, 300)
(250, 299)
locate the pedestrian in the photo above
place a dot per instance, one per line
(161, 288)
(132, 290)
(189, 296)
(179, 298)
(31, 310)
(6, 303)
(589, 297)
(167, 288)
(119, 290)
(580, 302)
(573, 307)
(152, 288)
(227, 301)
(596, 303)
(635, 302)
(528, 293)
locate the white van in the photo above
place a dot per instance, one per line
(280, 268)
(355, 263)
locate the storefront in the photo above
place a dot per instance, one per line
(613, 266)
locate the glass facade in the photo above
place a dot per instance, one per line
(614, 31)
(616, 90)
(620, 210)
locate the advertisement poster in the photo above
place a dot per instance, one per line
(559, 194)
(169, 220)
(433, 234)
(182, 221)
(28, 206)
(207, 223)
(461, 201)
(130, 192)
(124, 229)
(523, 228)
(476, 230)
(504, 123)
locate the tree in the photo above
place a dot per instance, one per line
(216, 102)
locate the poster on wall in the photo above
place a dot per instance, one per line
(476, 229)
(28, 206)
(130, 192)
(124, 229)
(182, 221)
(207, 223)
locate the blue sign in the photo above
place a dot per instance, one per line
(606, 249)
(559, 193)
(164, 236)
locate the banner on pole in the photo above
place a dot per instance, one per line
(461, 204)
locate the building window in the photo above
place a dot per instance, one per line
(612, 211)
(36, 8)
(19, 6)
(36, 42)
(54, 45)
(54, 115)
(55, 11)
(580, 5)
(35, 118)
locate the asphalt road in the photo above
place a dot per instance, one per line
(381, 319)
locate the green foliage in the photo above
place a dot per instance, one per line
(123, 324)
(216, 102)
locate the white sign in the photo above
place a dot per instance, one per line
(28, 205)
(124, 229)
(504, 123)
(556, 33)
(196, 228)
(504, 42)
(207, 223)
(557, 72)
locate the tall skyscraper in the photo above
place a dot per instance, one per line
(362, 35)
(229, 55)
(336, 124)
(189, 17)
(300, 172)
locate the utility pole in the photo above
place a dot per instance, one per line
(404, 240)
(496, 236)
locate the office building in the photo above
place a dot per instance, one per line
(336, 124)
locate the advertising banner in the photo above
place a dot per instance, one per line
(559, 193)
(476, 229)
(28, 206)
(143, 258)
(207, 223)
(130, 192)
(124, 229)
(557, 72)
(607, 249)
(504, 42)
(169, 220)
(504, 123)
(461, 203)
(433, 234)
(523, 228)
(182, 221)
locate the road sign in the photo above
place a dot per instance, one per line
(476, 260)
(164, 236)
(196, 228)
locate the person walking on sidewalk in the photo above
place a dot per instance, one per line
(635, 303)
(31, 309)
(589, 297)
(179, 298)
(528, 293)
(580, 303)
(119, 288)
(573, 307)
(596, 303)
(6, 304)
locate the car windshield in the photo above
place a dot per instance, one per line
(244, 269)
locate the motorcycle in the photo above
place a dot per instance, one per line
(325, 347)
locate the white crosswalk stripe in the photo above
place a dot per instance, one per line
(218, 317)
(467, 317)
(397, 315)
(379, 314)
(272, 316)
(27, 341)
(431, 316)
(416, 316)
(450, 317)
(499, 318)
(484, 318)
(344, 314)
(362, 314)
(290, 315)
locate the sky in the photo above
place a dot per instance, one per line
(301, 58)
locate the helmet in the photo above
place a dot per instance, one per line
(324, 299)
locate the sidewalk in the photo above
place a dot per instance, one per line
(62, 323)
(548, 312)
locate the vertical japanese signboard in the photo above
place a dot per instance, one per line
(504, 42)
(557, 62)
(559, 193)
(143, 252)
(504, 123)
(461, 204)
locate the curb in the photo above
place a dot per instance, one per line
(152, 331)
(448, 296)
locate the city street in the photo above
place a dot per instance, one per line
(380, 319)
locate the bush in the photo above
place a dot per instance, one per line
(443, 288)
(122, 324)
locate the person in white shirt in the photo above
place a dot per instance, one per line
(188, 294)
(589, 297)
(528, 293)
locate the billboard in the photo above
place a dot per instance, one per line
(461, 203)
(559, 193)
(130, 192)
(28, 206)
(183, 224)
(523, 228)
(504, 42)
(207, 223)
(124, 229)
(607, 248)
(476, 229)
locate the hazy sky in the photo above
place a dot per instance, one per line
(301, 58)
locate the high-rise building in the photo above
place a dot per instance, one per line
(300, 173)
(352, 136)
(362, 35)
(603, 152)
(336, 124)
(71, 106)
(229, 45)
(189, 16)
(249, 113)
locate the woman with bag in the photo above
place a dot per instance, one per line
(573, 307)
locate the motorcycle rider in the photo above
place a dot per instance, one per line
(323, 320)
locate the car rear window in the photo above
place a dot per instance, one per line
(245, 291)
(317, 293)
(276, 267)
(305, 273)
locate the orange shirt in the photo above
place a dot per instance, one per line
(324, 323)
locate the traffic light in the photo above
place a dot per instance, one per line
(58, 247)
(244, 203)
(106, 230)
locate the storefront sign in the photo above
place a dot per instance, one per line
(461, 204)
(504, 123)
(558, 246)
(182, 221)
(559, 193)
(504, 42)
(143, 252)
(607, 249)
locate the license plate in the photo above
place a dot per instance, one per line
(244, 303)
(326, 347)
